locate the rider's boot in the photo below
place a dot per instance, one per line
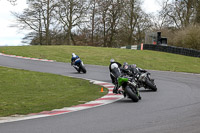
(115, 90)
(139, 97)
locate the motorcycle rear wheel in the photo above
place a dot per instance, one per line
(151, 85)
(132, 95)
(83, 69)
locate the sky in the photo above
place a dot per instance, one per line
(10, 36)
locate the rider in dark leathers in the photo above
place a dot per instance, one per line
(132, 70)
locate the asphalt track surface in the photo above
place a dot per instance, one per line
(174, 108)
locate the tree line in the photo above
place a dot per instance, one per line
(107, 23)
(180, 22)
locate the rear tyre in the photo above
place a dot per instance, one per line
(151, 85)
(83, 68)
(131, 94)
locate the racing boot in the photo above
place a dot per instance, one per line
(115, 90)
(138, 94)
(139, 97)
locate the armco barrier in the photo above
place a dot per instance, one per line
(172, 49)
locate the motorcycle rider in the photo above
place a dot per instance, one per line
(132, 69)
(126, 69)
(115, 72)
(74, 57)
(137, 73)
(74, 61)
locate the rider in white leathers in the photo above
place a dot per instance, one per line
(114, 73)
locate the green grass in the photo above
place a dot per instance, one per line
(101, 56)
(24, 92)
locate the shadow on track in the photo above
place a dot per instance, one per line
(146, 90)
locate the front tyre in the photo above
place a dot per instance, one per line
(77, 68)
(131, 94)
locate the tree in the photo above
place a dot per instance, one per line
(13, 2)
(179, 13)
(143, 25)
(93, 9)
(197, 17)
(130, 18)
(114, 19)
(108, 23)
(110, 14)
(71, 14)
(181, 22)
(29, 20)
(38, 18)
(133, 24)
(103, 26)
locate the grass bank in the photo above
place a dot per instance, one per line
(101, 56)
(24, 92)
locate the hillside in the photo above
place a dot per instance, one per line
(146, 59)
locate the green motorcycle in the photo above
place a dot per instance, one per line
(129, 87)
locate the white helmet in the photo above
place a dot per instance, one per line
(114, 65)
(112, 60)
(73, 55)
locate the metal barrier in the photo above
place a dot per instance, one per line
(172, 49)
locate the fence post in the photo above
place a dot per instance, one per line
(141, 46)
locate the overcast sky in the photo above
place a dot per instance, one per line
(12, 36)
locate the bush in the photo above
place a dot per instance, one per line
(188, 37)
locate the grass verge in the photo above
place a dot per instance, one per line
(146, 59)
(24, 92)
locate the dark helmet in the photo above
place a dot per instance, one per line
(125, 65)
(133, 66)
